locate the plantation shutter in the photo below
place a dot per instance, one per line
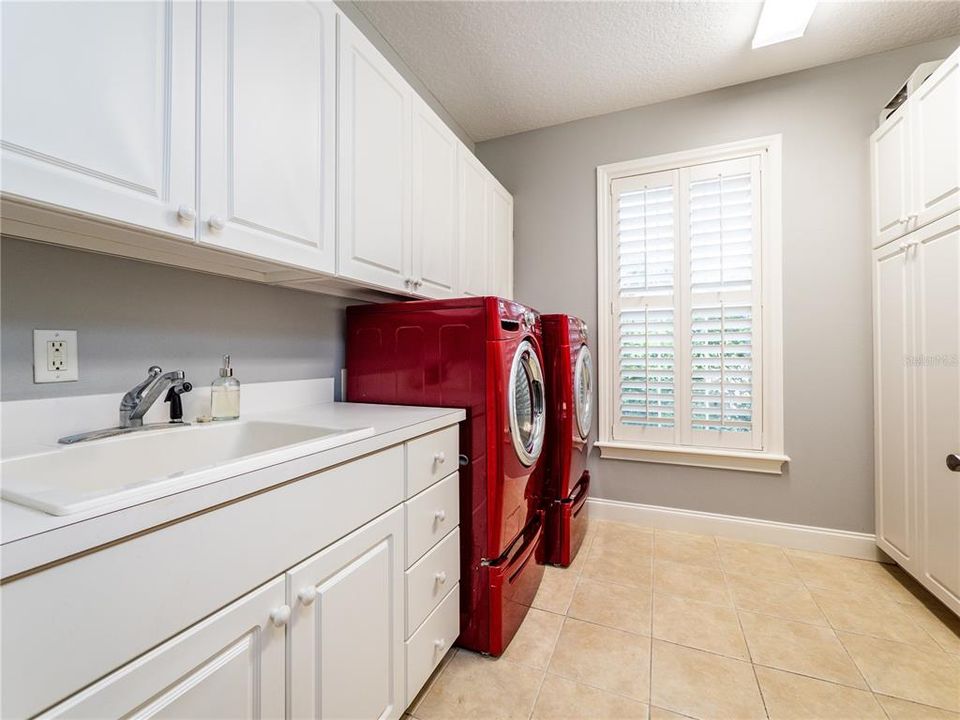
(686, 314)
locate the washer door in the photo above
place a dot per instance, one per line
(583, 391)
(526, 403)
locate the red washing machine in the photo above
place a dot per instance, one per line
(569, 416)
(483, 355)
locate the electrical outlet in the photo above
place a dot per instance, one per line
(55, 356)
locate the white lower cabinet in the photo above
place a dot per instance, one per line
(346, 626)
(230, 665)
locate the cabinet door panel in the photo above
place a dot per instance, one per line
(501, 225)
(936, 155)
(474, 227)
(435, 221)
(267, 123)
(890, 158)
(231, 665)
(938, 431)
(895, 469)
(374, 147)
(346, 641)
(99, 108)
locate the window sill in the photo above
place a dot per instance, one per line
(743, 460)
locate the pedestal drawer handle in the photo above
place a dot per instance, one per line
(441, 577)
(280, 616)
(953, 462)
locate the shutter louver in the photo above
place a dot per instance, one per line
(647, 357)
(721, 387)
(645, 238)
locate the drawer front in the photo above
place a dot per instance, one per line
(431, 578)
(430, 643)
(431, 515)
(431, 458)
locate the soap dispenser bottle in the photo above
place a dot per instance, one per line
(225, 394)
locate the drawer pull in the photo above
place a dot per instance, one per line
(440, 515)
(441, 577)
(280, 616)
(307, 595)
(440, 644)
(440, 458)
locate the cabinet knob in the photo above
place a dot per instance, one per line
(953, 462)
(418, 283)
(307, 595)
(186, 213)
(441, 577)
(440, 515)
(440, 644)
(440, 458)
(280, 616)
(216, 223)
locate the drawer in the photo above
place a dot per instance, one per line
(430, 643)
(431, 578)
(431, 458)
(431, 515)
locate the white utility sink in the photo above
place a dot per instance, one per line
(128, 469)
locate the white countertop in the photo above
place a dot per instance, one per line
(30, 538)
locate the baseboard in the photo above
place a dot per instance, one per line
(800, 537)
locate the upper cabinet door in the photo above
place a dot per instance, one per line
(374, 168)
(890, 181)
(935, 117)
(267, 123)
(435, 220)
(99, 109)
(475, 250)
(501, 228)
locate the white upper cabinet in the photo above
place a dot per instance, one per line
(475, 251)
(99, 109)
(267, 129)
(935, 117)
(434, 197)
(374, 169)
(890, 159)
(501, 241)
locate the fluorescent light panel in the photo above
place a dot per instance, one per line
(782, 20)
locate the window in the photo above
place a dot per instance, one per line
(689, 291)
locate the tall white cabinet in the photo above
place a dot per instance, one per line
(916, 266)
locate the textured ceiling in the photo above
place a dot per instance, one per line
(505, 67)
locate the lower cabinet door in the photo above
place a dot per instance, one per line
(230, 665)
(346, 626)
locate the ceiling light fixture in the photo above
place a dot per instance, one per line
(782, 20)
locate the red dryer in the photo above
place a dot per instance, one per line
(569, 416)
(483, 355)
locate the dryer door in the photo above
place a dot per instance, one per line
(526, 403)
(583, 391)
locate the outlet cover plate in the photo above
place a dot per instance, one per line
(44, 368)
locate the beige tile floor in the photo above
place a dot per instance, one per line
(664, 625)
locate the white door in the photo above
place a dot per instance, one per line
(267, 170)
(890, 178)
(346, 627)
(374, 168)
(501, 241)
(99, 109)
(435, 220)
(937, 269)
(474, 226)
(230, 665)
(935, 109)
(893, 345)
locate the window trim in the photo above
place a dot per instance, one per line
(770, 458)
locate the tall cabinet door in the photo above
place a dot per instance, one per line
(501, 241)
(435, 220)
(938, 411)
(374, 150)
(474, 226)
(891, 178)
(230, 665)
(346, 627)
(267, 171)
(935, 109)
(895, 487)
(110, 131)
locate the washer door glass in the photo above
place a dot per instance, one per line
(526, 403)
(583, 391)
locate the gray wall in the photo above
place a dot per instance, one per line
(130, 315)
(825, 116)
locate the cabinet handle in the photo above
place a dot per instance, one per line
(441, 577)
(186, 213)
(216, 223)
(307, 595)
(440, 515)
(280, 616)
(953, 462)
(419, 283)
(440, 458)
(440, 644)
